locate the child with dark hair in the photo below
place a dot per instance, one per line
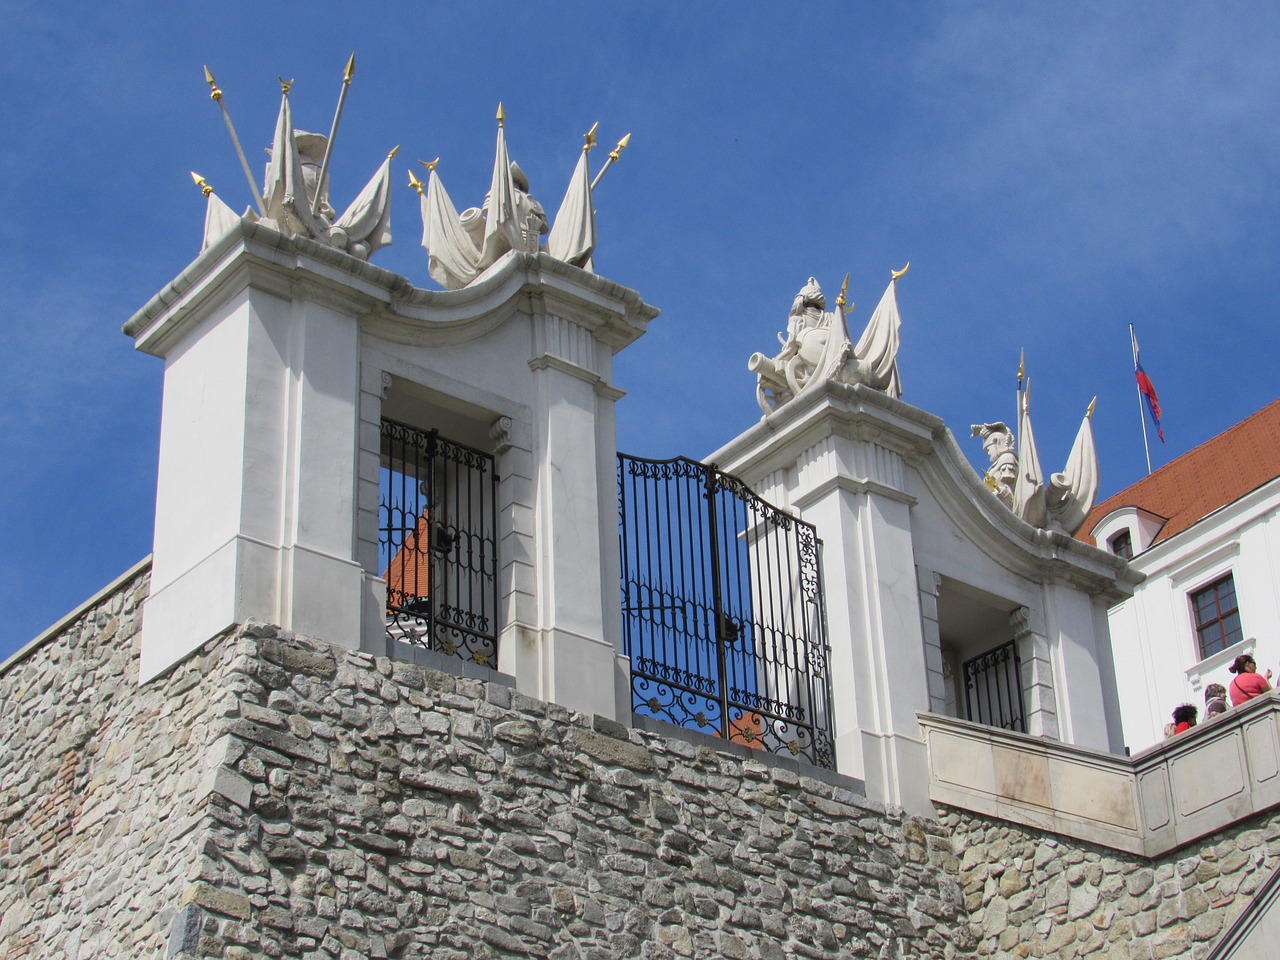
(1184, 717)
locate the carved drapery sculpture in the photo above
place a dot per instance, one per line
(1015, 476)
(817, 348)
(295, 194)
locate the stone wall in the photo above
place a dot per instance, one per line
(100, 785)
(276, 796)
(1031, 894)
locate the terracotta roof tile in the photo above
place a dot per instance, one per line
(1204, 479)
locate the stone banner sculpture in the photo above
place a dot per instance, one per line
(461, 247)
(817, 347)
(295, 194)
(1015, 476)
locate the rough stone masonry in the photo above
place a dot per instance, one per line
(274, 796)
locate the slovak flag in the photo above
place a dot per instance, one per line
(1146, 389)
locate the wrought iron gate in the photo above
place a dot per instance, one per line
(438, 544)
(993, 688)
(722, 608)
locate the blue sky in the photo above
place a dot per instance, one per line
(1052, 172)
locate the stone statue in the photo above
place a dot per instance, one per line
(295, 195)
(999, 444)
(460, 247)
(817, 348)
(1016, 479)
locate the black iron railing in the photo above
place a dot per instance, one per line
(993, 688)
(723, 614)
(438, 543)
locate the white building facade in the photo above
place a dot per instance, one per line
(1203, 533)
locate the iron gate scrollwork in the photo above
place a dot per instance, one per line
(993, 688)
(437, 543)
(723, 612)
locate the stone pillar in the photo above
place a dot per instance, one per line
(255, 499)
(845, 463)
(935, 664)
(570, 659)
(1038, 699)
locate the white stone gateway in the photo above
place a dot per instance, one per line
(939, 597)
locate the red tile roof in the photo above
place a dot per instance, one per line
(1204, 479)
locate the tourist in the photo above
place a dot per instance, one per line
(1184, 717)
(1248, 683)
(1215, 700)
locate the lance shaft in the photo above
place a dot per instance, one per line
(614, 154)
(216, 96)
(333, 133)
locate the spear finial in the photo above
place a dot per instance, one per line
(394, 151)
(844, 289)
(616, 153)
(415, 183)
(351, 69)
(895, 274)
(201, 183)
(1022, 366)
(502, 115)
(215, 93)
(1088, 414)
(590, 137)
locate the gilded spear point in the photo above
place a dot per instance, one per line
(415, 183)
(502, 115)
(215, 93)
(394, 151)
(616, 153)
(844, 289)
(590, 137)
(895, 274)
(1088, 414)
(1022, 365)
(351, 69)
(201, 183)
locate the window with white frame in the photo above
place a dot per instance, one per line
(1217, 616)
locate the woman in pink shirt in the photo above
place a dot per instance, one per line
(1248, 683)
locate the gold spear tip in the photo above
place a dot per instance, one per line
(844, 289)
(415, 183)
(284, 85)
(394, 151)
(351, 69)
(216, 94)
(201, 183)
(1088, 414)
(1022, 363)
(502, 114)
(616, 152)
(590, 137)
(895, 274)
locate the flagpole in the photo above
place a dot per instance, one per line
(1142, 412)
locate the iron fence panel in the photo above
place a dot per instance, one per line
(723, 614)
(438, 543)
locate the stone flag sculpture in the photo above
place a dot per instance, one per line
(295, 194)
(461, 247)
(1018, 481)
(818, 348)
